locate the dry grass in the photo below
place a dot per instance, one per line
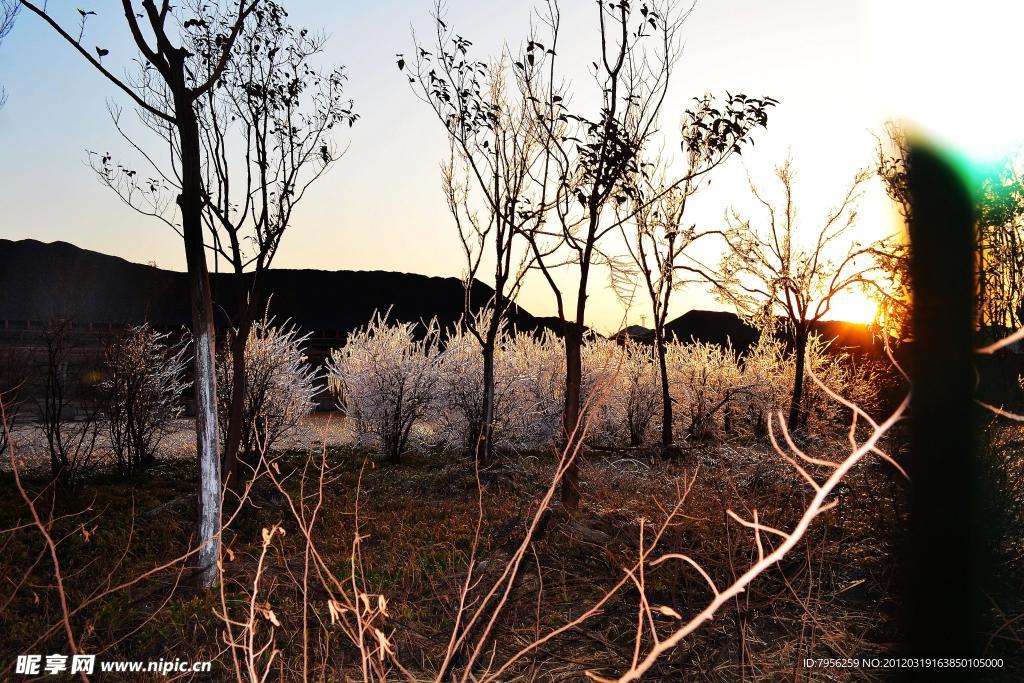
(178, 444)
(830, 598)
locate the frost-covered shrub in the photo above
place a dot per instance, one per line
(626, 413)
(841, 373)
(387, 381)
(601, 359)
(767, 370)
(281, 385)
(616, 391)
(535, 366)
(704, 381)
(395, 387)
(141, 393)
(459, 414)
(460, 381)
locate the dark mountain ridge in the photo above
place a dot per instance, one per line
(728, 329)
(44, 282)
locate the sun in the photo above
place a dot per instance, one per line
(853, 307)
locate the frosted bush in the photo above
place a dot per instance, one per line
(141, 393)
(601, 359)
(460, 415)
(460, 381)
(396, 388)
(704, 382)
(840, 372)
(281, 385)
(614, 393)
(626, 413)
(387, 381)
(767, 371)
(535, 366)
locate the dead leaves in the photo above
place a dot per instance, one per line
(267, 613)
(268, 534)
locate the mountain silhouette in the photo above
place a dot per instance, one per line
(728, 329)
(44, 282)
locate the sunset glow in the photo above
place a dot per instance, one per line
(475, 340)
(853, 307)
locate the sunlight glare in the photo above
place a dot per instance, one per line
(853, 307)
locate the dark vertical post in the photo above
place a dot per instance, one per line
(942, 563)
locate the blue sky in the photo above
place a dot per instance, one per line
(381, 207)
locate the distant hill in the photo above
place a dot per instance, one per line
(40, 282)
(61, 281)
(637, 333)
(718, 327)
(724, 328)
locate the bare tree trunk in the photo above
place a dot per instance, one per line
(571, 422)
(236, 414)
(397, 445)
(571, 416)
(484, 449)
(191, 205)
(666, 398)
(800, 340)
(396, 434)
(247, 307)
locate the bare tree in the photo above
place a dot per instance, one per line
(492, 184)
(589, 162)
(266, 134)
(776, 269)
(285, 110)
(657, 238)
(185, 76)
(8, 13)
(67, 408)
(593, 162)
(141, 394)
(893, 255)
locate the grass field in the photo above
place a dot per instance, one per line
(833, 597)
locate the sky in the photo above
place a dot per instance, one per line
(839, 70)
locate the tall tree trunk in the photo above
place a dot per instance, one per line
(247, 306)
(191, 204)
(800, 340)
(236, 413)
(484, 447)
(571, 422)
(571, 415)
(666, 398)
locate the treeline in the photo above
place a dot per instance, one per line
(401, 388)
